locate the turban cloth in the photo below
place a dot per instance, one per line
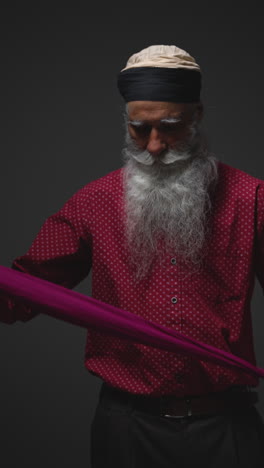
(160, 73)
(78, 309)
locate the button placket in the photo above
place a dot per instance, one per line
(173, 288)
(174, 299)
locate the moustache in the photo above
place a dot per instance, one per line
(167, 157)
(164, 159)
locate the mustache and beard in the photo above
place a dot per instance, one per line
(167, 201)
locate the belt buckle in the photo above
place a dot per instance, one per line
(166, 414)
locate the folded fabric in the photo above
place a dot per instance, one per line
(78, 309)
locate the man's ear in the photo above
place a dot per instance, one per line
(199, 112)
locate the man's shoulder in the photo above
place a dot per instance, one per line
(236, 176)
(109, 183)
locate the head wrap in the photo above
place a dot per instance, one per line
(160, 73)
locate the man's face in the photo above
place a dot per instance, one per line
(168, 171)
(160, 126)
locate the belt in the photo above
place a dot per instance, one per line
(170, 406)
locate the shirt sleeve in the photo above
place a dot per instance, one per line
(61, 253)
(259, 239)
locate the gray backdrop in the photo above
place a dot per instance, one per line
(61, 127)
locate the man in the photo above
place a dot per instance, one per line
(176, 237)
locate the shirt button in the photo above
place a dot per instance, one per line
(179, 378)
(174, 300)
(173, 261)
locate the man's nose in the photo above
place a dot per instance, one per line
(156, 144)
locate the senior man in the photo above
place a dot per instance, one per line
(174, 236)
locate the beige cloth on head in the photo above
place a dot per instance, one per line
(162, 56)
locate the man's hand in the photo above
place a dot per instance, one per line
(11, 310)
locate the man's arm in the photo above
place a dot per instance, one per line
(259, 239)
(61, 253)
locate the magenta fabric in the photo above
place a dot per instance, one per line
(73, 307)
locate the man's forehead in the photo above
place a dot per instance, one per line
(155, 110)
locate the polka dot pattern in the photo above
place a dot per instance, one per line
(211, 304)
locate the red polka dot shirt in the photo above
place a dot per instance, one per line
(211, 305)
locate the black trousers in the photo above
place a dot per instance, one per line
(122, 437)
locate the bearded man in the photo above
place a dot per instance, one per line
(176, 237)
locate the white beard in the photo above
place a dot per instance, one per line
(167, 202)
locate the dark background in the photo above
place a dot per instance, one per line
(61, 127)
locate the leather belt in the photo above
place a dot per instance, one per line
(170, 406)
